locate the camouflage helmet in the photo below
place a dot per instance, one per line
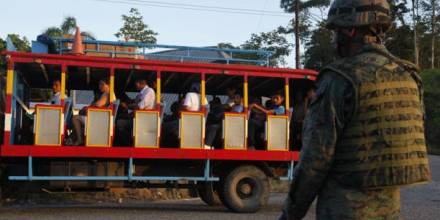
(359, 13)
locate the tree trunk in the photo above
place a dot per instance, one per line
(297, 42)
(416, 46)
(433, 32)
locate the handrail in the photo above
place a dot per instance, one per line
(146, 50)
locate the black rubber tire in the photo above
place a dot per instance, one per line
(245, 189)
(208, 194)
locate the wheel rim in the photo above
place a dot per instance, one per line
(246, 188)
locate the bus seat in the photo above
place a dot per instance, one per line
(277, 132)
(98, 127)
(48, 125)
(192, 130)
(115, 109)
(234, 131)
(163, 106)
(67, 110)
(146, 129)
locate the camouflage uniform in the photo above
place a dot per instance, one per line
(363, 137)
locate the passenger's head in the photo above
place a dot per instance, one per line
(216, 101)
(104, 85)
(56, 85)
(195, 87)
(237, 99)
(277, 99)
(231, 91)
(311, 92)
(140, 83)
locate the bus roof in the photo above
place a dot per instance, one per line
(157, 65)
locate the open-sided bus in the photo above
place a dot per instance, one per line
(34, 134)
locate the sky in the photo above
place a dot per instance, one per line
(175, 26)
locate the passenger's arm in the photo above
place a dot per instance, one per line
(102, 101)
(328, 114)
(258, 107)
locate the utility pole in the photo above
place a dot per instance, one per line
(297, 42)
(433, 32)
(416, 46)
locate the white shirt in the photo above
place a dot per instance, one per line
(56, 99)
(192, 101)
(146, 99)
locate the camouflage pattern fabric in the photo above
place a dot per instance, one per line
(330, 113)
(337, 202)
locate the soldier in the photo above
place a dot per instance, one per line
(363, 135)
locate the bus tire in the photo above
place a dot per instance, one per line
(245, 189)
(208, 194)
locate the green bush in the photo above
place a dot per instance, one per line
(431, 82)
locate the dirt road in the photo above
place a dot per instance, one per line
(421, 203)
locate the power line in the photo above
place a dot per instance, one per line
(236, 11)
(209, 7)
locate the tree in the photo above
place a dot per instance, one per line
(67, 27)
(297, 7)
(134, 28)
(415, 17)
(21, 44)
(430, 10)
(319, 50)
(271, 41)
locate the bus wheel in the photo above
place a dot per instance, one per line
(208, 194)
(245, 190)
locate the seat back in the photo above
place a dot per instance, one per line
(277, 132)
(99, 127)
(49, 125)
(192, 130)
(146, 127)
(235, 131)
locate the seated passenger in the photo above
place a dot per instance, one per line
(145, 100)
(78, 121)
(56, 97)
(192, 99)
(255, 124)
(275, 107)
(214, 122)
(238, 104)
(230, 92)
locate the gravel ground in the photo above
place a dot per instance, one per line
(420, 202)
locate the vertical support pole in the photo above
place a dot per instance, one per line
(207, 172)
(158, 90)
(202, 92)
(130, 169)
(63, 84)
(290, 172)
(30, 171)
(245, 93)
(287, 94)
(203, 108)
(112, 85)
(8, 126)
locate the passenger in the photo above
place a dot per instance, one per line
(238, 104)
(145, 100)
(230, 92)
(56, 88)
(309, 97)
(192, 99)
(257, 123)
(275, 107)
(78, 121)
(214, 122)
(296, 121)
